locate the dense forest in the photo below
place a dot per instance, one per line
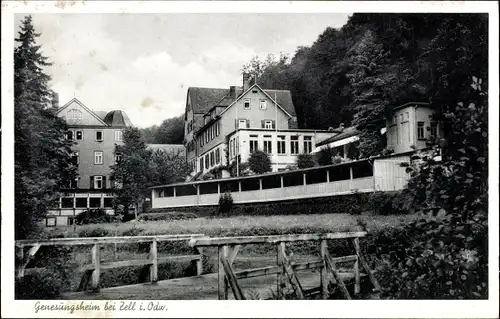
(354, 75)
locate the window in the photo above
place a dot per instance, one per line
(75, 158)
(81, 202)
(217, 129)
(98, 184)
(420, 130)
(69, 135)
(79, 135)
(201, 164)
(267, 146)
(263, 104)
(237, 141)
(118, 157)
(206, 136)
(401, 117)
(246, 104)
(212, 158)
(118, 135)
(281, 145)
(74, 114)
(242, 123)
(268, 124)
(207, 161)
(98, 157)
(434, 130)
(94, 202)
(294, 144)
(254, 144)
(307, 144)
(98, 135)
(217, 156)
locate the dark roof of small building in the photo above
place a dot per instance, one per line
(203, 99)
(347, 132)
(175, 149)
(117, 118)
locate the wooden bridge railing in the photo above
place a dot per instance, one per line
(92, 271)
(285, 270)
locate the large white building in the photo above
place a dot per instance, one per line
(222, 124)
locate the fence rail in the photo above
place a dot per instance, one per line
(228, 248)
(285, 269)
(92, 271)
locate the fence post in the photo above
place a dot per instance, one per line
(199, 262)
(96, 261)
(20, 264)
(153, 270)
(279, 261)
(357, 278)
(323, 274)
(222, 282)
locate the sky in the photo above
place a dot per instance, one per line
(143, 64)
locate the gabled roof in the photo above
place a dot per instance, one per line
(83, 106)
(203, 99)
(101, 114)
(265, 93)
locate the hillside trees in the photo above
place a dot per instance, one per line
(41, 154)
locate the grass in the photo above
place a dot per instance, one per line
(251, 256)
(248, 225)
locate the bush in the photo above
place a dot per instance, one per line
(93, 216)
(305, 161)
(225, 203)
(426, 261)
(325, 156)
(94, 232)
(259, 162)
(44, 284)
(389, 203)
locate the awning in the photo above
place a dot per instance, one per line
(341, 142)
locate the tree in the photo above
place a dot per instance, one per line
(305, 161)
(168, 168)
(170, 131)
(325, 156)
(42, 155)
(133, 173)
(259, 162)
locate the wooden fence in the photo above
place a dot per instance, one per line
(92, 271)
(285, 270)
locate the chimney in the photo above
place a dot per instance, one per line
(55, 100)
(246, 81)
(232, 91)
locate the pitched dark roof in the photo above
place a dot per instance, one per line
(347, 132)
(117, 118)
(203, 99)
(283, 98)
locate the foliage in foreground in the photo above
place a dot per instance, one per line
(445, 254)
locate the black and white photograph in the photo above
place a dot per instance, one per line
(154, 153)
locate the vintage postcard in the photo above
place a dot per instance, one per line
(316, 159)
